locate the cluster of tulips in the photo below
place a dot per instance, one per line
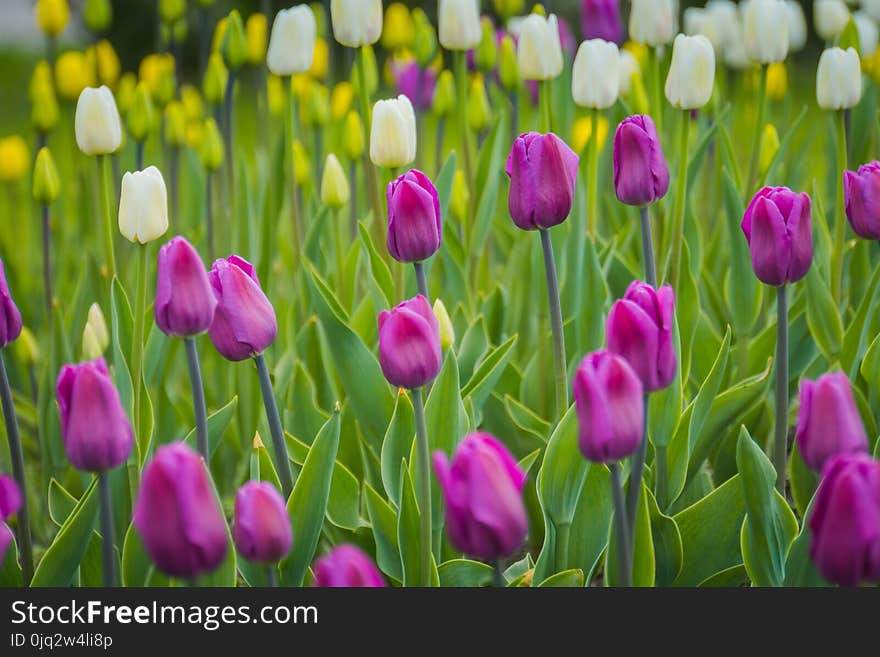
(459, 472)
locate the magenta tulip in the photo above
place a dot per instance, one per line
(185, 302)
(414, 223)
(640, 172)
(414, 82)
(261, 528)
(409, 344)
(10, 318)
(10, 503)
(346, 566)
(861, 191)
(600, 19)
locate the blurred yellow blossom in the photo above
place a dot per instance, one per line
(44, 108)
(191, 99)
(479, 112)
(303, 164)
(157, 72)
(275, 95)
(320, 60)
(461, 196)
(508, 8)
(46, 181)
(769, 146)
(107, 62)
(41, 76)
(52, 16)
(777, 81)
(639, 51)
(73, 74)
(98, 15)
(216, 77)
(353, 135)
(14, 158)
(255, 31)
(211, 146)
(341, 99)
(316, 106)
(125, 92)
(398, 30)
(582, 132)
(175, 123)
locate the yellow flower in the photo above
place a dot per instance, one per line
(769, 146)
(234, 42)
(398, 30)
(125, 92)
(255, 31)
(26, 347)
(341, 99)
(46, 182)
(14, 158)
(353, 135)
(171, 10)
(508, 8)
(582, 132)
(44, 109)
(639, 51)
(175, 123)
(316, 108)
(73, 74)
(275, 95)
(334, 184)
(461, 196)
(141, 114)
(191, 99)
(52, 16)
(447, 330)
(219, 35)
(777, 81)
(211, 147)
(98, 15)
(216, 77)
(303, 164)
(155, 71)
(107, 63)
(40, 78)
(479, 112)
(320, 60)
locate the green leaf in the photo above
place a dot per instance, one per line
(644, 563)
(742, 288)
(563, 472)
(383, 520)
(464, 572)
(10, 572)
(444, 182)
(527, 420)
(378, 269)
(408, 533)
(397, 445)
(573, 578)
(858, 333)
(137, 569)
(823, 318)
(799, 567)
(218, 422)
(61, 502)
(667, 543)
(121, 325)
(488, 373)
(592, 521)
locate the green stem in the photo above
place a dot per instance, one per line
(272, 575)
(751, 181)
(563, 532)
(559, 361)
(677, 234)
(137, 347)
(209, 212)
(47, 262)
(593, 176)
(107, 197)
(108, 556)
(780, 438)
(340, 257)
(839, 245)
(421, 280)
(371, 175)
(648, 248)
(545, 93)
(742, 353)
(228, 138)
(461, 76)
(637, 470)
(281, 457)
(423, 486)
(624, 564)
(661, 476)
(291, 175)
(198, 394)
(498, 574)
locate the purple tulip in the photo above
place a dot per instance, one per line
(414, 224)
(414, 82)
(566, 37)
(778, 228)
(542, 170)
(177, 515)
(409, 344)
(639, 328)
(94, 426)
(640, 172)
(600, 19)
(609, 400)
(346, 566)
(185, 302)
(845, 522)
(829, 423)
(10, 318)
(244, 323)
(482, 487)
(10, 503)
(861, 190)
(261, 530)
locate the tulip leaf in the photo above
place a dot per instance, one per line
(823, 317)
(444, 183)
(488, 372)
(859, 331)
(526, 420)
(378, 269)
(667, 543)
(137, 569)
(799, 567)
(644, 562)
(397, 445)
(218, 422)
(473, 346)
(592, 520)
(742, 288)
(801, 479)
(464, 572)
(563, 471)
(383, 520)
(408, 533)
(488, 192)
(10, 571)
(61, 502)
(121, 326)
(784, 145)
(573, 578)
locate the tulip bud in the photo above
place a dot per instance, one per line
(255, 34)
(508, 68)
(652, 22)
(862, 199)
(292, 44)
(73, 73)
(447, 330)
(641, 175)
(393, 134)
(107, 63)
(94, 426)
(171, 11)
(261, 527)
(542, 162)
(539, 52)
(482, 488)
(303, 162)
(444, 94)
(845, 522)
(234, 42)
(356, 22)
(244, 323)
(140, 118)
(216, 76)
(769, 147)
(52, 16)
(341, 99)
(461, 195)
(479, 112)
(125, 91)
(868, 34)
(185, 302)
(778, 227)
(830, 18)
(353, 130)
(95, 333)
(10, 503)
(459, 24)
(211, 150)
(46, 182)
(335, 191)
(177, 515)
(44, 108)
(692, 72)
(839, 79)
(98, 15)
(595, 79)
(143, 206)
(409, 344)
(425, 39)
(10, 318)
(796, 24)
(97, 122)
(486, 54)
(639, 328)
(600, 19)
(397, 28)
(777, 81)
(346, 566)
(27, 349)
(414, 224)
(14, 159)
(175, 123)
(765, 25)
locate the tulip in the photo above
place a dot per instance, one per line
(143, 206)
(292, 43)
(461, 197)
(346, 566)
(797, 25)
(52, 16)
(482, 488)
(354, 135)
(769, 147)
(600, 19)
(26, 348)
(393, 134)
(777, 226)
(479, 112)
(415, 227)
(356, 22)
(641, 175)
(177, 515)
(830, 18)
(829, 423)
(652, 22)
(14, 159)
(839, 79)
(425, 37)
(415, 83)
(215, 80)
(261, 528)
(409, 344)
(459, 24)
(140, 120)
(539, 51)
(868, 34)
(444, 101)
(96, 337)
(234, 48)
(10, 317)
(398, 29)
(335, 191)
(10, 504)
(777, 81)
(845, 522)
(44, 106)
(766, 30)
(486, 53)
(98, 15)
(595, 80)
(862, 200)
(211, 148)
(73, 73)
(692, 72)
(185, 302)
(255, 35)
(98, 126)
(107, 63)
(447, 330)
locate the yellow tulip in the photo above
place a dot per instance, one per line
(353, 136)
(255, 31)
(398, 30)
(46, 181)
(26, 348)
(73, 73)
(461, 196)
(211, 148)
(582, 132)
(175, 123)
(639, 51)
(216, 77)
(335, 191)
(275, 95)
(14, 158)
(40, 78)
(303, 164)
(107, 62)
(769, 146)
(777, 81)
(125, 92)
(341, 99)
(52, 16)
(447, 330)
(219, 35)
(191, 100)
(320, 60)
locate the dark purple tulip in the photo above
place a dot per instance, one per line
(641, 175)
(829, 423)
(482, 488)
(414, 224)
(177, 515)
(600, 19)
(10, 503)
(778, 228)
(346, 566)
(244, 323)
(10, 318)
(261, 529)
(861, 190)
(845, 522)
(409, 344)
(542, 170)
(95, 428)
(609, 400)
(185, 302)
(639, 328)
(414, 82)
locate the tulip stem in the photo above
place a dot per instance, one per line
(661, 477)
(498, 574)
(369, 168)
(23, 535)
(272, 576)
(340, 258)
(759, 129)
(291, 174)
(839, 245)
(546, 92)
(274, 419)
(559, 362)
(198, 393)
(624, 563)
(593, 176)
(137, 349)
(423, 484)
(780, 438)
(105, 174)
(637, 470)
(228, 138)
(421, 280)
(677, 234)
(648, 247)
(461, 75)
(47, 262)
(108, 558)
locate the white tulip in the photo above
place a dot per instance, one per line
(539, 51)
(721, 25)
(143, 206)
(872, 8)
(868, 34)
(393, 134)
(830, 17)
(652, 21)
(709, 22)
(595, 79)
(691, 73)
(629, 68)
(356, 22)
(765, 26)
(797, 26)
(839, 79)
(735, 53)
(292, 43)
(459, 24)
(97, 124)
